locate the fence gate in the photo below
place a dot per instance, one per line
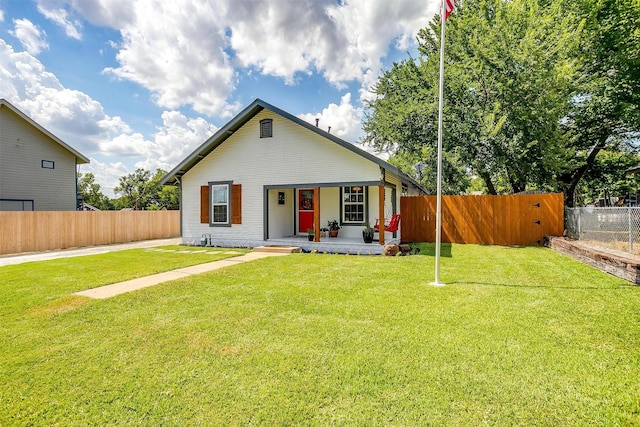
(507, 220)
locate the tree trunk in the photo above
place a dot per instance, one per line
(516, 186)
(571, 180)
(487, 180)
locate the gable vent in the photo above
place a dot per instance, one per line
(266, 128)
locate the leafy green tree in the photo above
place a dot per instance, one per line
(533, 92)
(606, 177)
(90, 192)
(134, 190)
(509, 76)
(424, 169)
(606, 106)
(165, 197)
(516, 70)
(141, 190)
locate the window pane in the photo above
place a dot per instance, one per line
(220, 213)
(353, 204)
(220, 193)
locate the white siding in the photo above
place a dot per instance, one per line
(293, 156)
(22, 149)
(281, 216)
(330, 206)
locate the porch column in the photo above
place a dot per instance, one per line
(316, 214)
(381, 212)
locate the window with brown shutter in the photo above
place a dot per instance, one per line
(236, 204)
(204, 204)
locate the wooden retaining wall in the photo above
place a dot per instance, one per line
(620, 265)
(46, 230)
(509, 220)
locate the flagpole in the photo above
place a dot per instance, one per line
(443, 18)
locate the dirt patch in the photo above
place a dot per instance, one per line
(58, 306)
(616, 247)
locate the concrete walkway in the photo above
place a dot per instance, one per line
(144, 282)
(141, 282)
(91, 250)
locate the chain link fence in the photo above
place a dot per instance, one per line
(614, 227)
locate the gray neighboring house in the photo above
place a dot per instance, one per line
(38, 171)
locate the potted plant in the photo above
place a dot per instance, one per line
(323, 232)
(367, 233)
(310, 234)
(333, 226)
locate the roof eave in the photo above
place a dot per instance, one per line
(247, 114)
(80, 159)
(212, 142)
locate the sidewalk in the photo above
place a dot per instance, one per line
(91, 250)
(144, 282)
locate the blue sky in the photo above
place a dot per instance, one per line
(142, 83)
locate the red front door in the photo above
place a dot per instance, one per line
(305, 210)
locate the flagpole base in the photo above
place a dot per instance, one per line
(437, 284)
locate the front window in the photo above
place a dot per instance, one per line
(353, 204)
(220, 203)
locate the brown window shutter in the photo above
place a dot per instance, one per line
(204, 204)
(236, 204)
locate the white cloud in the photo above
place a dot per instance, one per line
(178, 137)
(106, 13)
(1, 15)
(30, 35)
(189, 52)
(344, 119)
(176, 50)
(340, 40)
(71, 115)
(173, 141)
(61, 17)
(81, 121)
(124, 145)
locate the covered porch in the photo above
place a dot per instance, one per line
(292, 212)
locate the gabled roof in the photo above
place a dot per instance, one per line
(80, 157)
(247, 114)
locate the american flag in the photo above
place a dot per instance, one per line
(449, 5)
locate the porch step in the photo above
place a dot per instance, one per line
(278, 249)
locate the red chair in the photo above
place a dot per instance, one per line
(391, 227)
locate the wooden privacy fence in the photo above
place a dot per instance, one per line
(509, 220)
(46, 230)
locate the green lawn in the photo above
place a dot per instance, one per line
(519, 336)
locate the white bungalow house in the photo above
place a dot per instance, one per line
(267, 177)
